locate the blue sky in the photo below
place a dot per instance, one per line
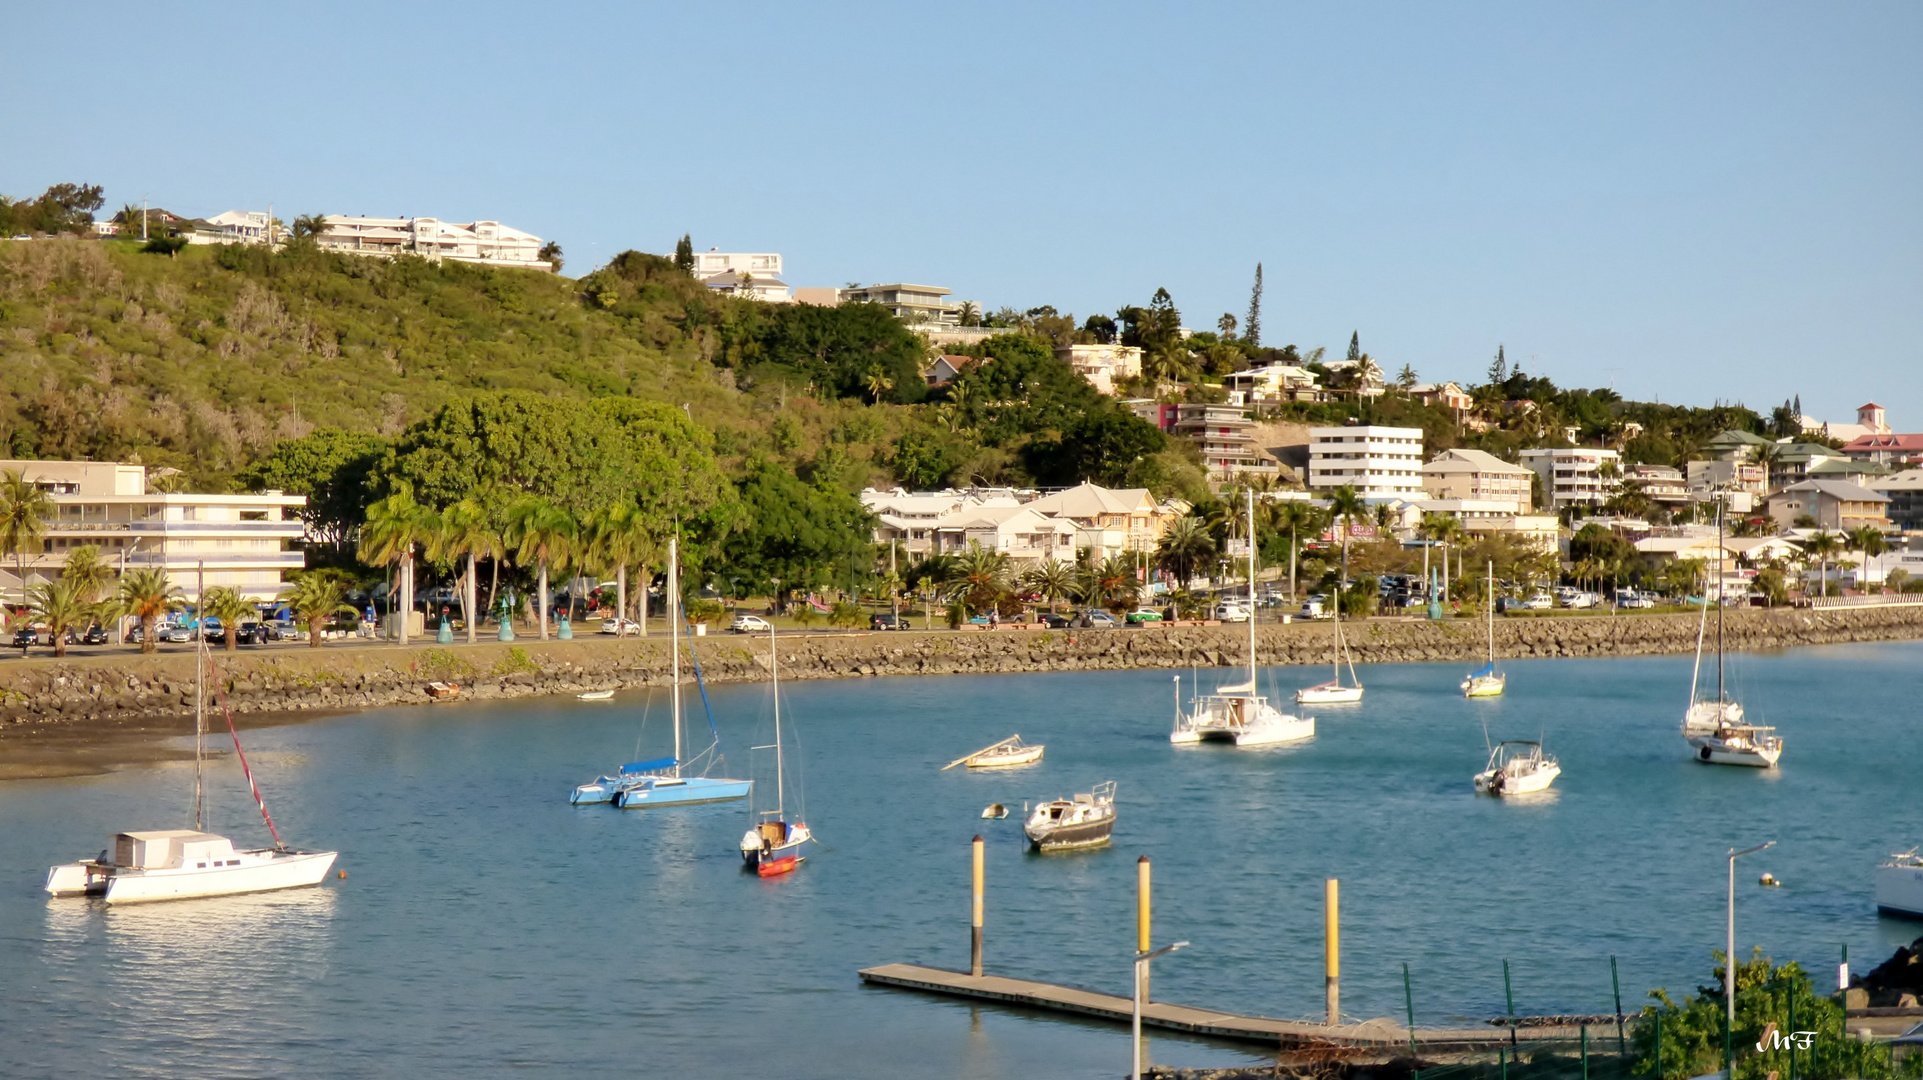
(1687, 202)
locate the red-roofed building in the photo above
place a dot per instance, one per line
(1886, 449)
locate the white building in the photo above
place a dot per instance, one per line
(1102, 365)
(1479, 476)
(917, 305)
(749, 275)
(1573, 476)
(235, 227)
(1379, 462)
(240, 540)
(913, 520)
(1224, 436)
(1745, 483)
(1275, 383)
(486, 242)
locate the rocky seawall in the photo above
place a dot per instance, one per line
(105, 692)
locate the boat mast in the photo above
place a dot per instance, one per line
(774, 684)
(1492, 614)
(200, 706)
(674, 642)
(1251, 494)
(1720, 696)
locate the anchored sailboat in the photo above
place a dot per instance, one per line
(1333, 692)
(665, 781)
(1488, 682)
(773, 845)
(1237, 713)
(178, 864)
(1715, 729)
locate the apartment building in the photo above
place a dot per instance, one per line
(1112, 520)
(1887, 449)
(749, 275)
(1836, 506)
(1746, 484)
(1479, 476)
(1905, 492)
(1661, 484)
(912, 520)
(1226, 439)
(488, 243)
(1574, 476)
(1017, 523)
(1275, 383)
(238, 540)
(1381, 463)
(917, 305)
(1103, 366)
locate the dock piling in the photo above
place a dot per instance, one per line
(1143, 918)
(975, 927)
(1332, 948)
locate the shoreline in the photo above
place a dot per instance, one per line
(83, 715)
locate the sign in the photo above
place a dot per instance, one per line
(1238, 546)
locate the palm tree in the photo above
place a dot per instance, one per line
(226, 603)
(1116, 586)
(395, 526)
(1185, 544)
(88, 571)
(878, 383)
(622, 538)
(1823, 546)
(927, 578)
(25, 509)
(316, 596)
(981, 576)
(1868, 540)
(146, 594)
(1769, 457)
(58, 604)
(541, 531)
(464, 534)
(1347, 504)
(310, 226)
(1298, 517)
(1053, 580)
(1406, 378)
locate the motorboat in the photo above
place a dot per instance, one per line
(1715, 728)
(994, 812)
(1517, 767)
(1488, 682)
(1236, 713)
(179, 864)
(772, 846)
(669, 781)
(1007, 754)
(1334, 692)
(443, 691)
(1899, 885)
(1082, 821)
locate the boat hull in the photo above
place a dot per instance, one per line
(601, 791)
(1280, 729)
(123, 885)
(1714, 751)
(1328, 694)
(1526, 784)
(1484, 686)
(680, 791)
(1027, 755)
(1085, 834)
(1899, 890)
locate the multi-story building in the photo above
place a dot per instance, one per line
(1661, 484)
(913, 520)
(1745, 483)
(1834, 504)
(1479, 476)
(1226, 439)
(1905, 492)
(1575, 476)
(1111, 521)
(235, 227)
(749, 275)
(1887, 449)
(1447, 395)
(1795, 460)
(1735, 445)
(1275, 383)
(1102, 365)
(489, 243)
(234, 540)
(916, 305)
(1381, 463)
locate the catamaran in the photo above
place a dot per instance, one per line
(1236, 713)
(667, 781)
(773, 845)
(1488, 682)
(1715, 729)
(1333, 692)
(179, 864)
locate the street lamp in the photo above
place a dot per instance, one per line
(1135, 1030)
(1729, 959)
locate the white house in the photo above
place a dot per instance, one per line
(1102, 365)
(1275, 383)
(1381, 463)
(486, 242)
(1574, 476)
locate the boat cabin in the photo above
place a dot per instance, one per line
(173, 849)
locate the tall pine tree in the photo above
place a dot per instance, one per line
(684, 253)
(1355, 348)
(1498, 369)
(1252, 327)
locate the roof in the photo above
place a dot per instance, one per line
(1845, 467)
(1885, 442)
(1733, 437)
(1462, 459)
(1907, 480)
(1837, 489)
(1677, 545)
(1088, 500)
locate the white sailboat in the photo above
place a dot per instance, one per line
(1488, 682)
(1236, 713)
(179, 864)
(1715, 729)
(1334, 692)
(1010, 753)
(772, 845)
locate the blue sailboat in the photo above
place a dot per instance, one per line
(669, 781)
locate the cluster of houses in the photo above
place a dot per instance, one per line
(487, 243)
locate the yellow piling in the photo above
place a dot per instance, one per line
(1332, 948)
(1143, 918)
(975, 932)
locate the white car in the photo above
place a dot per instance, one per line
(1312, 608)
(1232, 613)
(624, 627)
(748, 624)
(1579, 600)
(1539, 602)
(1627, 599)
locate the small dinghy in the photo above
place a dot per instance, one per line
(442, 691)
(995, 812)
(1083, 821)
(596, 695)
(1006, 754)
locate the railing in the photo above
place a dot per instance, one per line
(1886, 600)
(280, 527)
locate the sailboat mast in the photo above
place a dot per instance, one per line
(1719, 599)
(200, 711)
(1492, 613)
(1251, 494)
(674, 641)
(774, 677)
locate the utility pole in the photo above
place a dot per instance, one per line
(894, 593)
(143, 217)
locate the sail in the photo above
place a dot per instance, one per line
(1237, 688)
(1488, 671)
(649, 766)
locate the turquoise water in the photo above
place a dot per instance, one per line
(488, 928)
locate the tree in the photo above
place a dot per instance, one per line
(1406, 378)
(796, 535)
(25, 510)
(1225, 326)
(684, 253)
(170, 246)
(1101, 328)
(1868, 540)
(1114, 584)
(981, 578)
(463, 534)
(1098, 447)
(1184, 546)
(1053, 580)
(540, 531)
(1354, 356)
(333, 468)
(620, 536)
(550, 253)
(1498, 369)
(89, 573)
(59, 606)
(1297, 517)
(1823, 546)
(310, 227)
(1252, 326)
(395, 526)
(878, 383)
(971, 315)
(225, 603)
(315, 596)
(1347, 504)
(146, 594)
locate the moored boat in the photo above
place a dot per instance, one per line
(1899, 885)
(1334, 692)
(1517, 767)
(1081, 821)
(595, 695)
(1007, 754)
(772, 846)
(1716, 729)
(1488, 682)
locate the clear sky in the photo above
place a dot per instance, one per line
(1689, 202)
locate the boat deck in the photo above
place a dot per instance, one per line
(1289, 1034)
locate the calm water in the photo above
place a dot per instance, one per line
(487, 927)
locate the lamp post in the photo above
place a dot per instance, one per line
(1135, 1028)
(1729, 960)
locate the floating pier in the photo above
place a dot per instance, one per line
(1383, 1034)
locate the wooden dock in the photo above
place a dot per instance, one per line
(1383, 1035)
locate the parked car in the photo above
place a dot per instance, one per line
(1313, 608)
(1055, 620)
(95, 635)
(174, 634)
(885, 621)
(1628, 598)
(1541, 601)
(282, 630)
(24, 637)
(212, 630)
(748, 624)
(623, 627)
(1232, 612)
(1096, 619)
(1142, 615)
